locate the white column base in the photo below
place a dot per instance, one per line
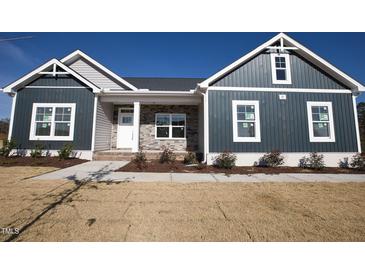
(136, 114)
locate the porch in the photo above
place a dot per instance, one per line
(125, 125)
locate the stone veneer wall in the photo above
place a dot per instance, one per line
(147, 139)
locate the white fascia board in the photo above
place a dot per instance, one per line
(303, 51)
(107, 92)
(35, 73)
(78, 52)
(154, 100)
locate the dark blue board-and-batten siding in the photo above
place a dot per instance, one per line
(284, 123)
(257, 73)
(83, 97)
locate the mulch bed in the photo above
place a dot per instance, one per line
(179, 167)
(43, 161)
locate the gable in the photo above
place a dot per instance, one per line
(283, 43)
(52, 67)
(256, 72)
(95, 75)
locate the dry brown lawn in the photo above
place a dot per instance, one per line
(69, 211)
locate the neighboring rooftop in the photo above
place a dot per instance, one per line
(164, 84)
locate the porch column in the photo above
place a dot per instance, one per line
(136, 111)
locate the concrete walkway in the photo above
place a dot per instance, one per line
(104, 171)
(93, 170)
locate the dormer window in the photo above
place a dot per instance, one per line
(280, 68)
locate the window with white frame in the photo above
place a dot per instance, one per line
(54, 122)
(320, 122)
(246, 121)
(170, 126)
(280, 68)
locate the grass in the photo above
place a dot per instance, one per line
(179, 212)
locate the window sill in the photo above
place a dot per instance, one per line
(246, 140)
(278, 82)
(170, 138)
(49, 138)
(324, 140)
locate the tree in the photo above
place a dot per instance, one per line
(361, 117)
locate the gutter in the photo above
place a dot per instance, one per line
(107, 91)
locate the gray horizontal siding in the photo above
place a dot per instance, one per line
(284, 124)
(104, 123)
(257, 73)
(84, 99)
(94, 75)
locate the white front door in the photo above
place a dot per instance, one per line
(125, 130)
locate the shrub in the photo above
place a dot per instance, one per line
(37, 151)
(200, 166)
(344, 163)
(190, 159)
(357, 161)
(167, 156)
(314, 161)
(225, 160)
(304, 162)
(65, 152)
(140, 159)
(7, 148)
(272, 159)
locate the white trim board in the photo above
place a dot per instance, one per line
(287, 68)
(94, 123)
(281, 90)
(52, 136)
(301, 50)
(11, 122)
(78, 53)
(152, 100)
(136, 126)
(170, 126)
(257, 137)
(206, 124)
(312, 138)
(23, 81)
(356, 124)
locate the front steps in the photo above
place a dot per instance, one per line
(123, 155)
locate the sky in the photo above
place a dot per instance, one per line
(165, 54)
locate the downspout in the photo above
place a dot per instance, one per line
(204, 93)
(94, 123)
(358, 139)
(11, 122)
